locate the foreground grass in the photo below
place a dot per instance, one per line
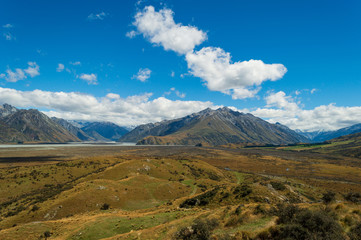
(145, 189)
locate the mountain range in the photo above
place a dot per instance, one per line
(321, 136)
(32, 126)
(21, 125)
(213, 127)
(104, 131)
(207, 127)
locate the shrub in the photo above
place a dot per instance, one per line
(259, 209)
(238, 210)
(353, 197)
(35, 208)
(297, 223)
(201, 200)
(286, 213)
(328, 197)
(348, 220)
(278, 186)
(105, 206)
(46, 234)
(200, 229)
(242, 191)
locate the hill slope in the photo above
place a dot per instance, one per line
(213, 127)
(36, 126)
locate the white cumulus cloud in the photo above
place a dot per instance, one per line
(282, 101)
(159, 28)
(282, 108)
(212, 64)
(21, 74)
(214, 67)
(32, 70)
(130, 111)
(143, 74)
(91, 79)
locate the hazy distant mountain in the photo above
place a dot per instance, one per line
(347, 145)
(104, 131)
(6, 110)
(79, 123)
(76, 131)
(324, 136)
(32, 125)
(213, 127)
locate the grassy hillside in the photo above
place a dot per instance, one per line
(348, 145)
(164, 192)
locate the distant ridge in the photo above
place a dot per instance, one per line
(73, 129)
(328, 135)
(104, 131)
(213, 127)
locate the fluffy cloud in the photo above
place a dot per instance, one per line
(91, 79)
(242, 93)
(282, 108)
(214, 67)
(32, 70)
(21, 74)
(159, 28)
(130, 111)
(60, 67)
(97, 16)
(143, 74)
(280, 100)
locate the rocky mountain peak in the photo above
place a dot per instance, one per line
(7, 109)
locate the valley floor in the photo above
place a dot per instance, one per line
(174, 192)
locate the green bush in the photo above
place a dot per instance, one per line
(278, 186)
(353, 197)
(105, 206)
(242, 191)
(201, 229)
(328, 197)
(201, 200)
(297, 223)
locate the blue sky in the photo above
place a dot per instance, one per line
(120, 60)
